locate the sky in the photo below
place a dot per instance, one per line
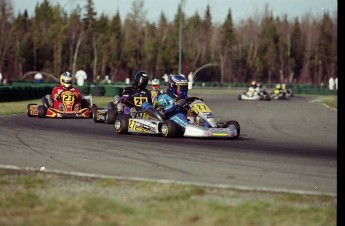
(240, 9)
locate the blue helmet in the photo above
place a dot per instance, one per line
(178, 86)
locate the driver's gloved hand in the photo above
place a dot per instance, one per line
(180, 102)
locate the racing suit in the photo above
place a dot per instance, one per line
(57, 99)
(132, 97)
(173, 111)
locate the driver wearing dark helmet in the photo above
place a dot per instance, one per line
(137, 94)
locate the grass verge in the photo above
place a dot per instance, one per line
(38, 198)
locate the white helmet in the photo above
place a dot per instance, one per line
(155, 83)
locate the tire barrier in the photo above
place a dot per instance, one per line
(97, 90)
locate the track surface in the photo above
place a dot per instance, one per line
(284, 145)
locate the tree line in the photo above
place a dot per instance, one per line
(262, 48)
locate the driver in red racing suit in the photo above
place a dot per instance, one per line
(66, 80)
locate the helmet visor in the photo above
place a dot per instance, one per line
(182, 87)
(67, 81)
(143, 81)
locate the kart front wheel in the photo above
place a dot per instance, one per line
(42, 111)
(236, 124)
(94, 112)
(121, 124)
(169, 129)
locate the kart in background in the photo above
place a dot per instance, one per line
(68, 108)
(254, 95)
(280, 95)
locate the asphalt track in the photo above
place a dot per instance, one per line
(284, 146)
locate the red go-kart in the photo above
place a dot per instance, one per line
(68, 108)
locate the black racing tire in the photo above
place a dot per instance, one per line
(111, 106)
(268, 97)
(42, 111)
(169, 129)
(239, 97)
(236, 124)
(111, 114)
(28, 111)
(121, 124)
(94, 113)
(45, 102)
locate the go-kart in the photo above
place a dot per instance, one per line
(68, 108)
(151, 121)
(253, 95)
(280, 95)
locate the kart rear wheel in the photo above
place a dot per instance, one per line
(94, 112)
(46, 102)
(28, 110)
(42, 111)
(240, 96)
(169, 129)
(236, 124)
(121, 124)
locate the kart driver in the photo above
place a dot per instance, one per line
(171, 101)
(137, 94)
(155, 88)
(66, 80)
(278, 89)
(253, 89)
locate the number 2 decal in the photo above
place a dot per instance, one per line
(138, 101)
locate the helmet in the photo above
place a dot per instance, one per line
(283, 86)
(278, 86)
(66, 80)
(178, 85)
(141, 80)
(259, 85)
(155, 83)
(253, 83)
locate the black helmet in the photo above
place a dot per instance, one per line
(141, 80)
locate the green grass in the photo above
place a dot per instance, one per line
(36, 198)
(331, 101)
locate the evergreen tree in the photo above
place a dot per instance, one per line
(297, 50)
(227, 43)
